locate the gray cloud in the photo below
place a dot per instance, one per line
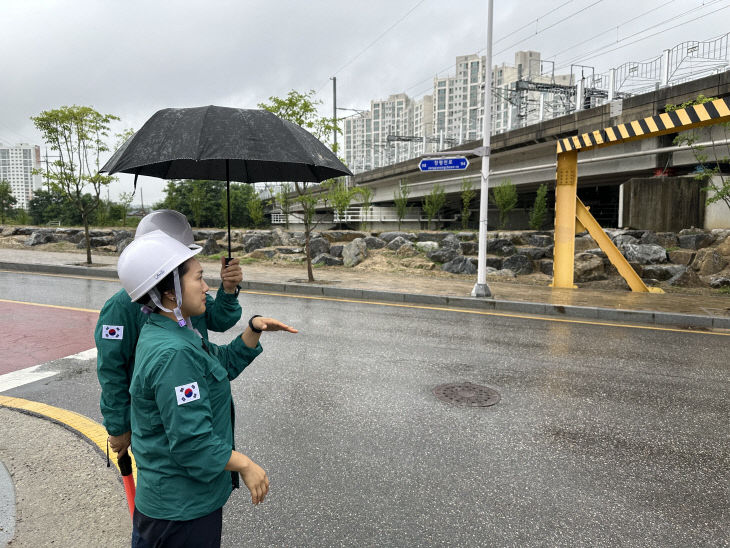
(134, 57)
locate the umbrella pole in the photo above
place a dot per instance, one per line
(228, 196)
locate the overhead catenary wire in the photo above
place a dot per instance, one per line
(371, 44)
(605, 49)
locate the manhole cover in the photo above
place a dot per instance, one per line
(466, 394)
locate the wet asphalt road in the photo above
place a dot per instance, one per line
(604, 436)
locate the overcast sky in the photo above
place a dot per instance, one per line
(131, 58)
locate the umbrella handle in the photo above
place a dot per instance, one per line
(125, 467)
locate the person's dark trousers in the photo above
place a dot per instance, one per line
(202, 532)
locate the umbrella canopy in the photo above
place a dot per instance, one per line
(224, 144)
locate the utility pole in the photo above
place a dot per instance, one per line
(481, 289)
(334, 113)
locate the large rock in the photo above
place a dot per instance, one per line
(533, 253)
(336, 250)
(686, 278)
(723, 247)
(210, 247)
(540, 240)
(519, 264)
(667, 239)
(469, 248)
(501, 246)
(583, 243)
(718, 282)
(396, 243)
(662, 272)
(256, 240)
(494, 262)
(407, 250)
(427, 247)
(281, 237)
(450, 240)
(328, 260)
(354, 252)
(343, 235)
(644, 253)
(708, 261)
(40, 237)
(546, 266)
(288, 250)
(467, 236)
(621, 240)
(587, 267)
(433, 236)
(389, 236)
(695, 241)
(100, 241)
(375, 243)
(263, 253)
(460, 265)
(318, 245)
(681, 256)
(443, 254)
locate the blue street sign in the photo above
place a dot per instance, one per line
(443, 164)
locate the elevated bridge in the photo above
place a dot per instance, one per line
(527, 158)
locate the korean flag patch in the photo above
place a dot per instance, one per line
(113, 332)
(187, 393)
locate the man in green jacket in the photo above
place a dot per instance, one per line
(121, 321)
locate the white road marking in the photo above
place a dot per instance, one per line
(31, 374)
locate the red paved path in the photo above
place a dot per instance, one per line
(31, 334)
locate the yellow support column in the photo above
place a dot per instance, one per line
(565, 196)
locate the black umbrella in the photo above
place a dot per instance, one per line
(224, 144)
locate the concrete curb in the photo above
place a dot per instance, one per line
(493, 305)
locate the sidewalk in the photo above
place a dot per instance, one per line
(703, 311)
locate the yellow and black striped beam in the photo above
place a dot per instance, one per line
(668, 122)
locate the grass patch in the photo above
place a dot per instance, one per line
(722, 291)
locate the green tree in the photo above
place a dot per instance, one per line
(709, 169)
(400, 197)
(301, 109)
(539, 208)
(7, 200)
(341, 197)
(125, 200)
(434, 202)
(199, 201)
(366, 200)
(78, 135)
(505, 196)
(256, 210)
(52, 205)
(467, 195)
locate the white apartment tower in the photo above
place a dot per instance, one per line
(16, 167)
(400, 128)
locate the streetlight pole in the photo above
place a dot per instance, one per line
(481, 289)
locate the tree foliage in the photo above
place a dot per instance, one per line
(366, 199)
(341, 197)
(78, 135)
(505, 196)
(434, 202)
(539, 208)
(709, 163)
(205, 203)
(467, 195)
(301, 109)
(7, 200)
(400, 197)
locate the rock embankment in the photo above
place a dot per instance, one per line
(689, 258)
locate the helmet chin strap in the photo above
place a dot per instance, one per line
(155, 296)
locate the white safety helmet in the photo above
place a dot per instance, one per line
(146, 261)
(171, 222)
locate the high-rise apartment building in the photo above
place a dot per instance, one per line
(400, 128)
(16, 167)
